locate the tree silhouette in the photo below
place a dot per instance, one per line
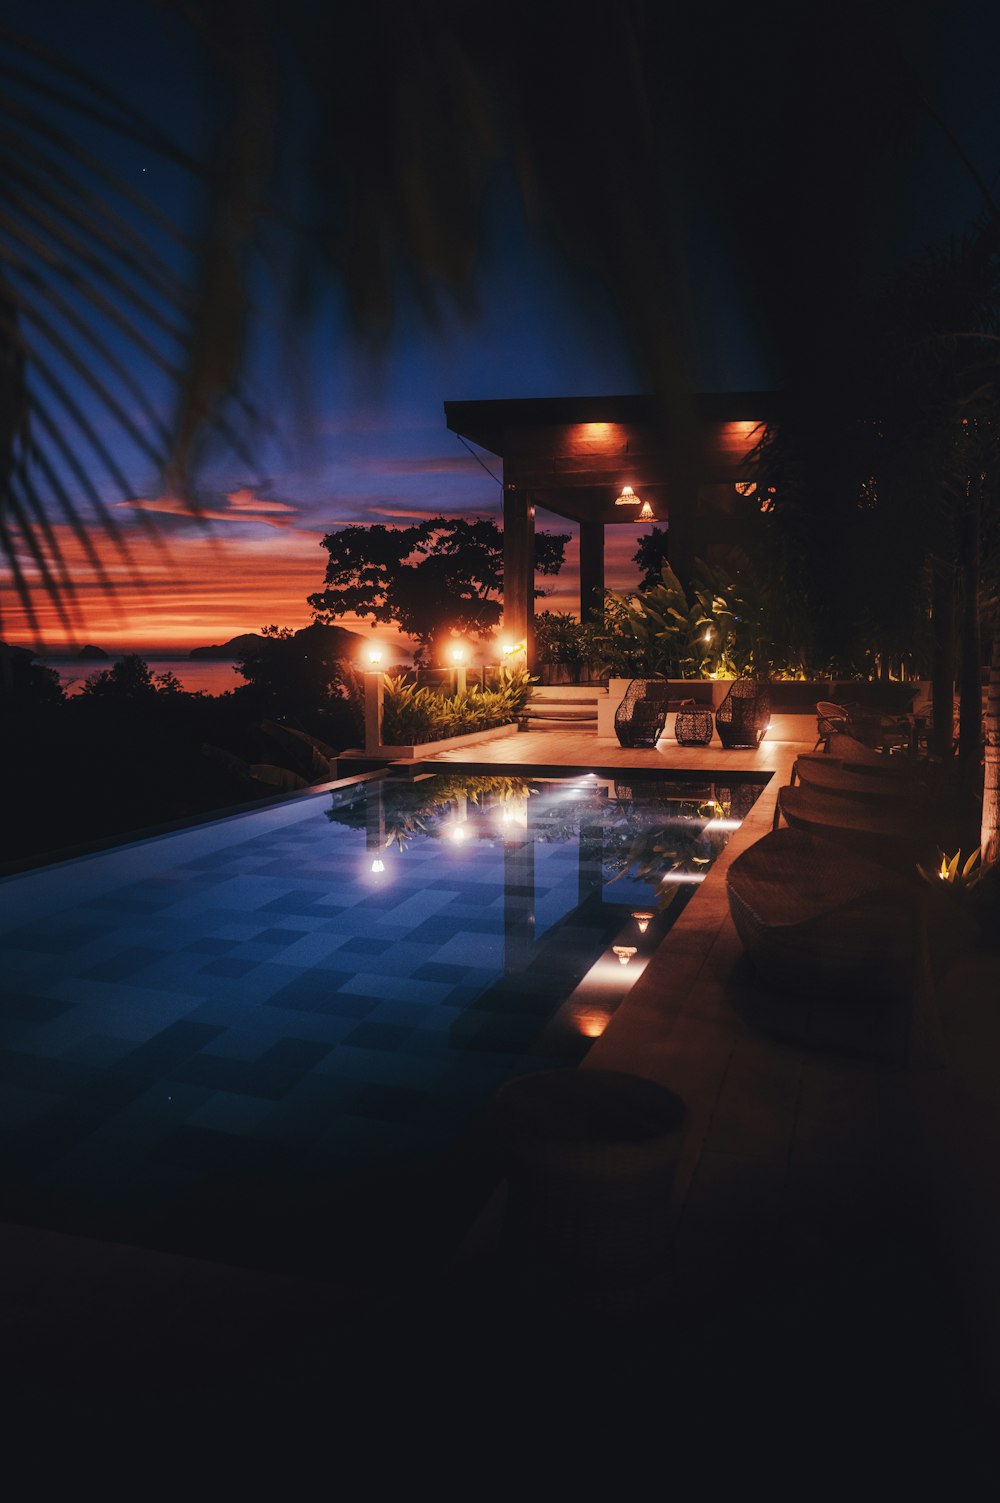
(434, 578)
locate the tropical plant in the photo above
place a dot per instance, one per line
(715, 629)
(560, 638)
(412, 715)
(293, 674)
(953, 871)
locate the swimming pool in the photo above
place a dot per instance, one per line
(272, 1039)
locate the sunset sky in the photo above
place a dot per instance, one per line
(341, 442)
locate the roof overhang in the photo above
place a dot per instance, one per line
(574, 454)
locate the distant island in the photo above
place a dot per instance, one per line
(332, 641)
(91, 653)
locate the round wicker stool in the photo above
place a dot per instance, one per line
(694, 727)
(590, 1158)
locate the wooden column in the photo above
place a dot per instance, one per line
(591, 569)
(519, 568)
(681, 509)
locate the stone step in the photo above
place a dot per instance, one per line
(561, 712)
(558, 704)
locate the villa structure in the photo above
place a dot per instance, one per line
(605, 461)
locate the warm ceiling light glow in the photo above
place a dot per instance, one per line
(646, 514)
(627, 497)
(643, 921)
(624, 953)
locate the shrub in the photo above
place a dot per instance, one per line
(412, 715)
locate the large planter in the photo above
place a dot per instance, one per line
(420, 749)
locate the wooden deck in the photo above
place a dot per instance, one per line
(812, 1174)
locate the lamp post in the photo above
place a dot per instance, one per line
(457, 655)
(374, 701)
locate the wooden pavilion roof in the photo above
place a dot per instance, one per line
(574, 454)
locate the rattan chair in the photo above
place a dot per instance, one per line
(830, 719)
(641, 717)
(744, 714)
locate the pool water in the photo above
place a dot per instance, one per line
(273, 1039)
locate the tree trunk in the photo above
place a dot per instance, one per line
(990, 837)
(943, 666)
(970, 708)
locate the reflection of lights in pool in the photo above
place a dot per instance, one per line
(643, 921)
(723, 824)
(514, 814)
(591, 1021)
(624, 953)
(683, 877)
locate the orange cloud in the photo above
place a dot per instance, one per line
(241, 506)
(194, 586)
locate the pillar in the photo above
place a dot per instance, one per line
(519, 568)
(591, 570)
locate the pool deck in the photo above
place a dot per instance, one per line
(836, 1235)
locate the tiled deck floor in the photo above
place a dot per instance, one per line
(837, 1232)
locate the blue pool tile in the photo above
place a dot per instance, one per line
(375, 1035)
(221, 1041)
(228, 965)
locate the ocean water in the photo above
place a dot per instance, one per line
(207, 675)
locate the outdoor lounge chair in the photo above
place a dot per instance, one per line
(641, 717)
(744, 714)
(833, 777)
(817, 921)
(888, 836)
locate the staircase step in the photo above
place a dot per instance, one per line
(563, 699)
(558, 712)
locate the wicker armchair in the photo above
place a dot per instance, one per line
(743, 716)
(641, 717)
